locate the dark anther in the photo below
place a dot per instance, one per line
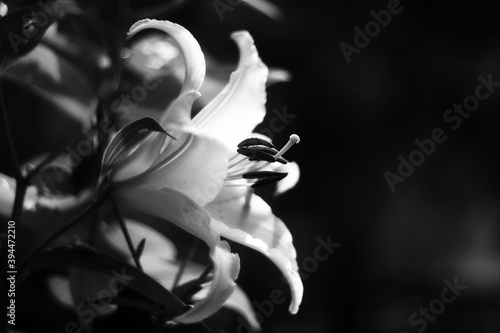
(263, 174)
(269, 180)
(258, 154)
(255, 142)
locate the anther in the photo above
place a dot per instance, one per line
(255, 142)
(269, 180)
(263, 174)
(294, 139)
(258, 154)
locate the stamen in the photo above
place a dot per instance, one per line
(262, 174)
(269, 180)
(237, 185)
(258, 154)
(255, 142)
(243, 159)
(294, 139)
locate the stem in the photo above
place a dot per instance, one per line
(21, 184)
(123, 225)
(198, 282)
(21, 187)
(188, 257)
(8, 136)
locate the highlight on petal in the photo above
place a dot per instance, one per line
(8, 193)
(265, 7)
(250, 221)
(180, 109)
(194, 164)
(175, 207)
(59, 286)
(239, 303)
(240, 107)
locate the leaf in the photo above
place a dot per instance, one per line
(128, 138)
(140, 247)
(85, 258)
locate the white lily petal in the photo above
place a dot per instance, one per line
(240, 107)
(59, 286)
(240, 303)
(8, 193)
(194, 164)
(226, 269)
(157, 245)
(180, 110)
(290, 180)
(277, 75)
(250, 221)
(175, 207)
(265, 7)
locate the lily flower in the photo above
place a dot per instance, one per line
(202, 179)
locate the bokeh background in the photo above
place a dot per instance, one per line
(395, 247)
(355, 119)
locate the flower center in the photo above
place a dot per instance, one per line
(253, 155)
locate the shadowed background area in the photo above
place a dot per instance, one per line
(355, 119)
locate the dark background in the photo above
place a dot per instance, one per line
(354, 120)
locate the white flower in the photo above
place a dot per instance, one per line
(198, 180)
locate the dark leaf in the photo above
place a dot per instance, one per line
(99, 262)
(140, 248)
